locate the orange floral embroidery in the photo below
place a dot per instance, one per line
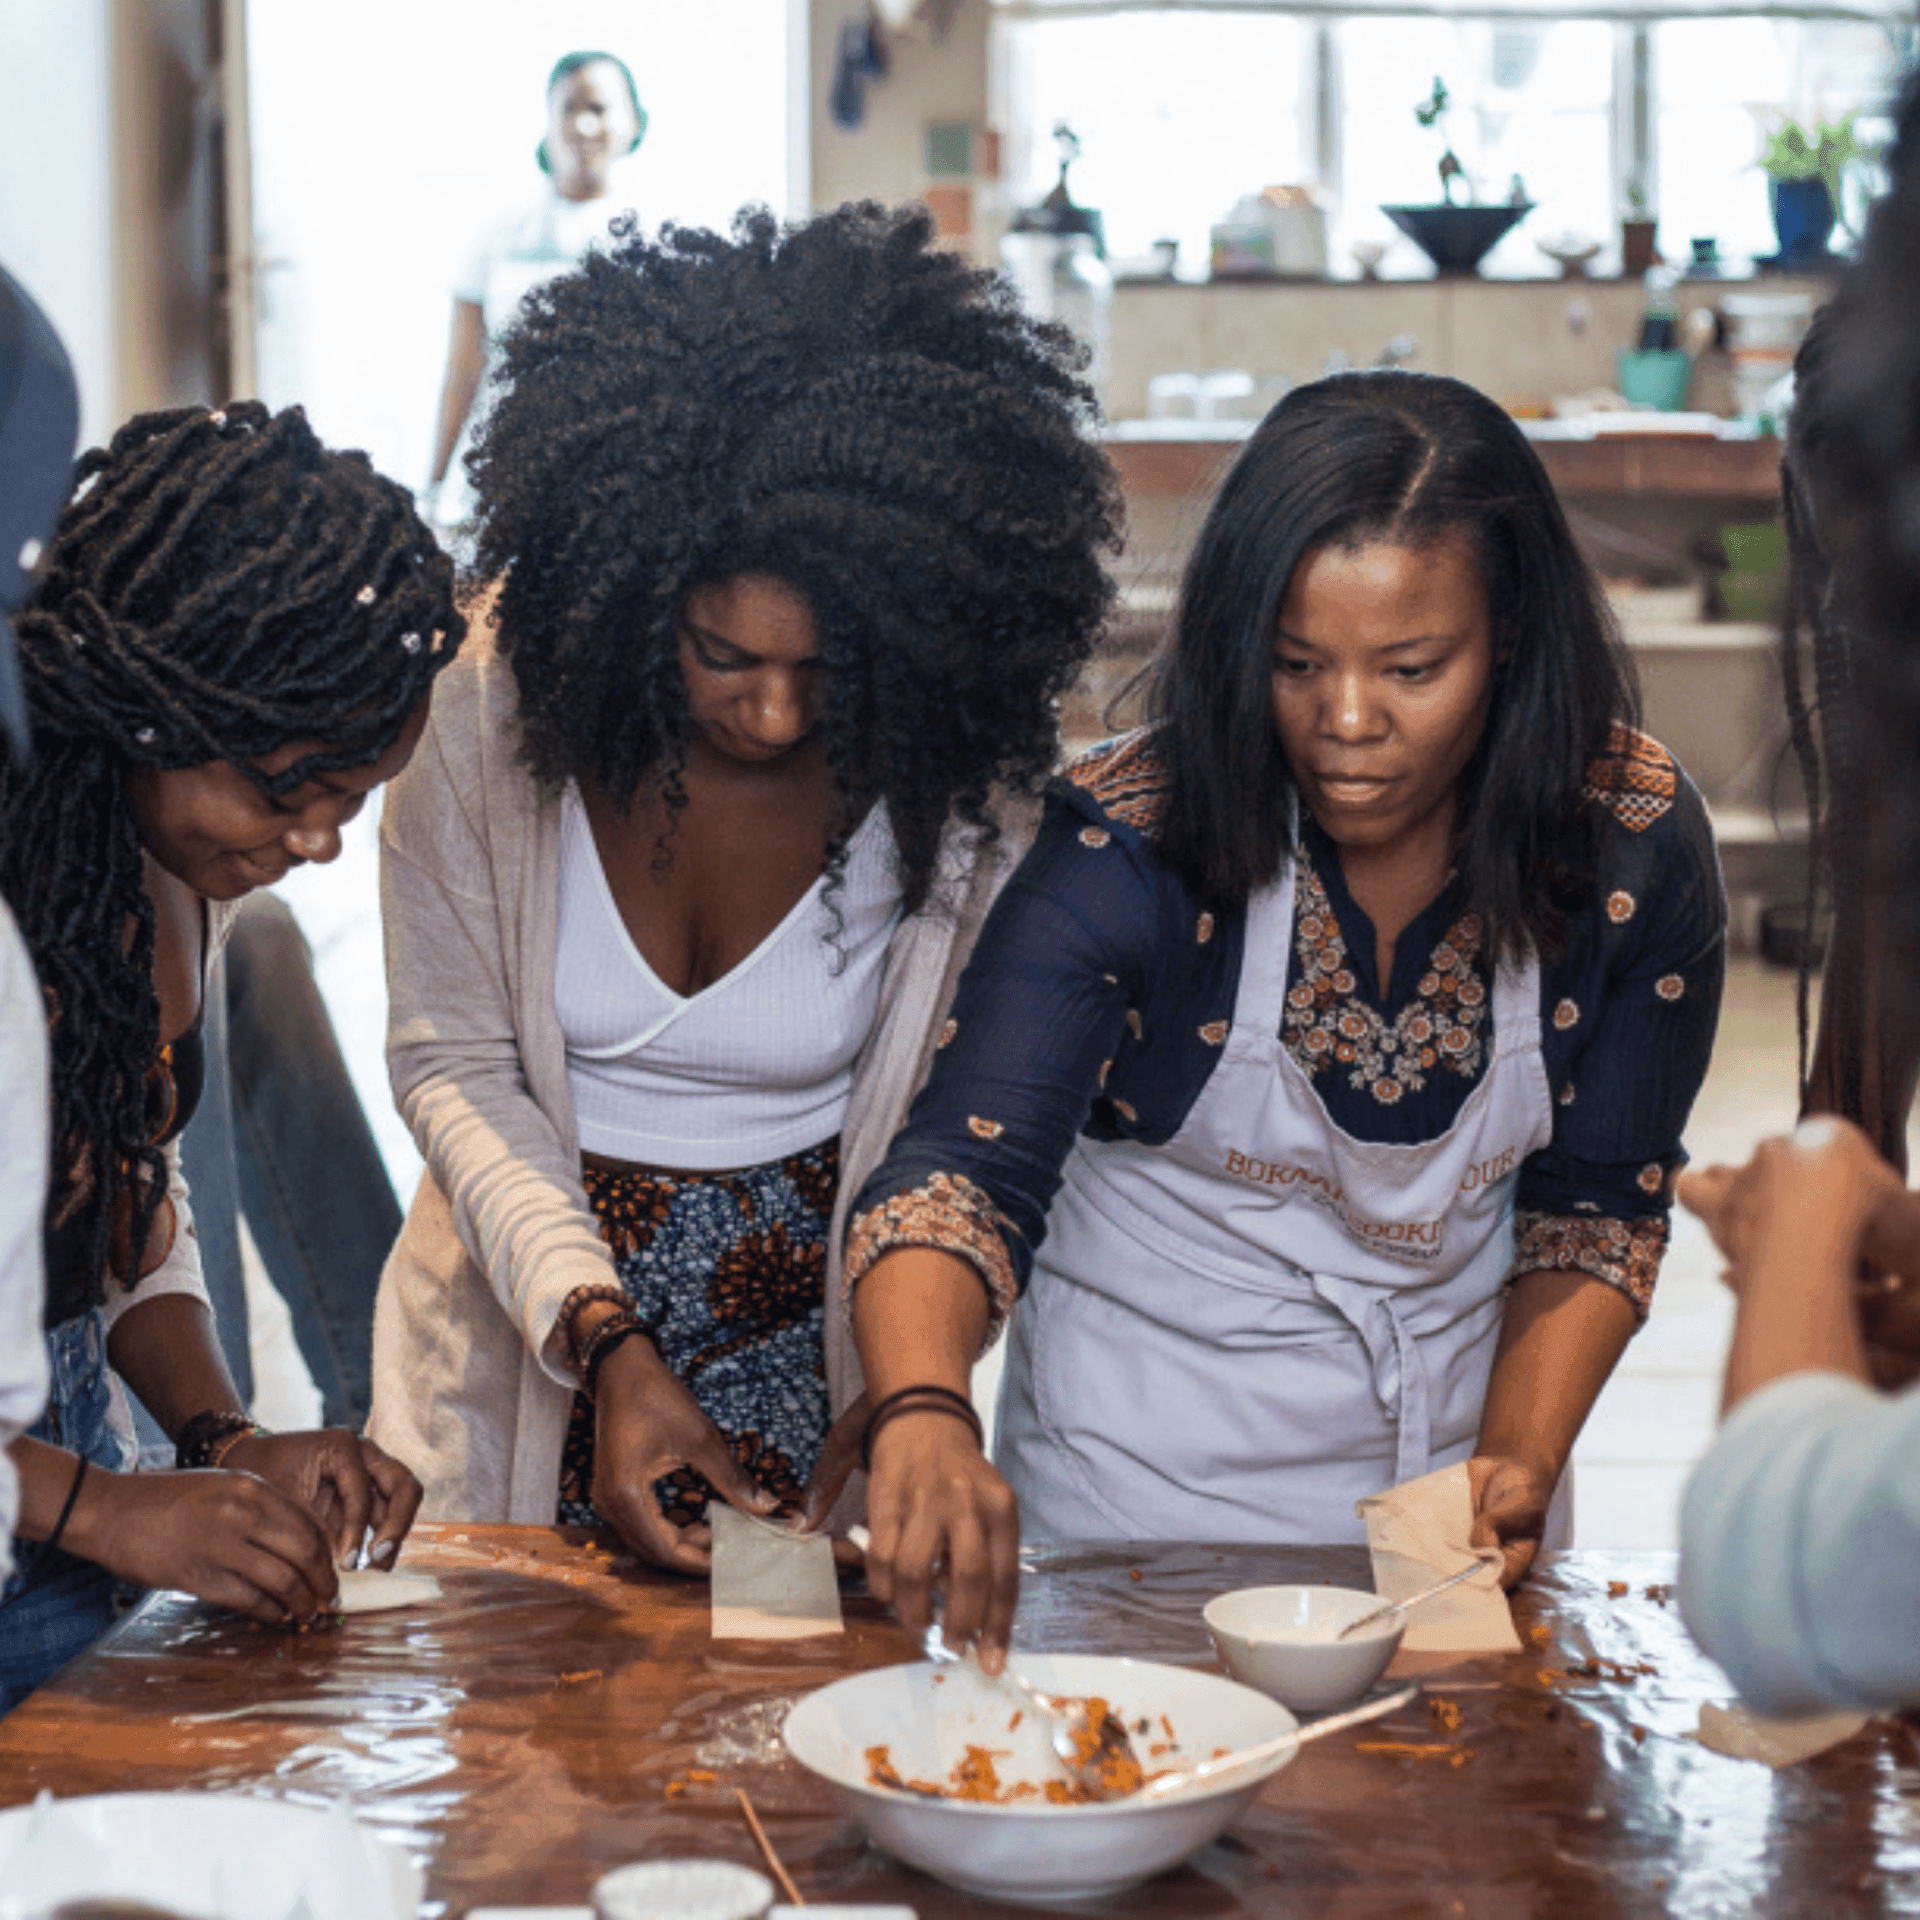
(1204, 931)
(1624, 1253)
(1620, 906)
(1126, 777)
(1214, 1033)
(984, 1129)
(1635, 780)
(1670, 986)
(1094, 836)
(1106, 1067)
(1326, 1025)
(1124, 1111)
(1565, 1015)
(949, 1213)
(1652, 1177)
(1133, 1022)
(947, 1032)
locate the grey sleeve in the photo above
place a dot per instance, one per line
(1800, 1547)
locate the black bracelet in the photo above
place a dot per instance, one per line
(66, 1512)
(601, 1342)
(922, 1399)
(199, 1442)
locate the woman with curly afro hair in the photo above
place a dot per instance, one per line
(229, 647)
(798, 539)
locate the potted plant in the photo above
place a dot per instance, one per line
(1454, 235)
(1638, 253)
(1803, 177)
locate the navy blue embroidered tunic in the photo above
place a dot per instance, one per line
(1099, 999)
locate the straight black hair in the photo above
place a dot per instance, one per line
(1409, 458)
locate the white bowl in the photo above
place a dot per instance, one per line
(927, 1717)
(1282, 1640)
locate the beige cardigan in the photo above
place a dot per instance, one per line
(468, 1387)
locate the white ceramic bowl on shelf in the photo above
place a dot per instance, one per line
(1283, 1640)
(928, 1716)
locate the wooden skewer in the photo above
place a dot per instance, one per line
(794, 1896)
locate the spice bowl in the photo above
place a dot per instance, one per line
(1284, 1640)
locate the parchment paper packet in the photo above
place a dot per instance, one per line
(1738, 1731)
(770, 1583)
(1418, 1534)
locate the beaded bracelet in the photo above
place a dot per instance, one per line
(601, 1342)
(199, 1442)
(586, 1296)
(921, 1399)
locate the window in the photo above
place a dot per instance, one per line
(1183, 109)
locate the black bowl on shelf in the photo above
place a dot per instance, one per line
(1456, 239)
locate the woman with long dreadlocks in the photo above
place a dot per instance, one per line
(799, 539)
(229, 648)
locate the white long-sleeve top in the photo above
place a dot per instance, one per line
(23, 1193)
(1800, 1546)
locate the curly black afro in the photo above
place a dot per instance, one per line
(838, 405)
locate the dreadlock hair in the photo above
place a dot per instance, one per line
(1409, 458)
(219, 586)
(1853, 497)
(838, 405)
(1826, 721)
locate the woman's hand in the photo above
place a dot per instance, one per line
(839, 1455)
(1510, 1499)
(228, 1538)
(343, 1480)
(646, 1426)
(936, 1508)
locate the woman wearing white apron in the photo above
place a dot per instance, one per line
(1317, 1084)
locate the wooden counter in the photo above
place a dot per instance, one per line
(541, 1725)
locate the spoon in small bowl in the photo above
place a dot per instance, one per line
(1377, 1614)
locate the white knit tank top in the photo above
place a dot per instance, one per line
(753, 1067)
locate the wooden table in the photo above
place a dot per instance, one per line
(539, 1727)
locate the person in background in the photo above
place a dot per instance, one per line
(39, 423)
(1800, 1531)
(229, 647)
(1336, 1038)
(594, 120)
(798, 537)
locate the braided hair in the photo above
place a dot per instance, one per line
(219, 586)
(1852, 496)
(840, 406)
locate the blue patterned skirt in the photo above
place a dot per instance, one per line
(728, 1272)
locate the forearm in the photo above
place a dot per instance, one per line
(1562, 1336)
(466, 362)
(1796, 1306)
(919, 1319)
(166, 1351)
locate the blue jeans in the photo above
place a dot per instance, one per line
(294, 1153)
(55, 1605)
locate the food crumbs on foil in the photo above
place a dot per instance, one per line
(1443, 1713)
(1419, 1750)
(1618, 1589)
(1660, 1595)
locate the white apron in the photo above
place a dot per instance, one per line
(1237, 1335)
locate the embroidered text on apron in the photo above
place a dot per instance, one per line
(1237, 1335)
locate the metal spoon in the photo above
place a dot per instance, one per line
(1412, 1600)
(1093, 1754)
(1182, 1777)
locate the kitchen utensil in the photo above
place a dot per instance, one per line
(1097, 1755)
(1412, 1600)
(1181, 1778)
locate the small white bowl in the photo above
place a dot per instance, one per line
(927, 1716)
(1282, 1640)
